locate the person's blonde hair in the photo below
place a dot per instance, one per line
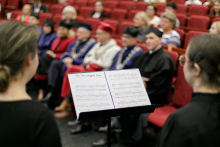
(71, 10)
(218, 26)
(144, 17)
(171, 16)
(17, 42)
(28, 6)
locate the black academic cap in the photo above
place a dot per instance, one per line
(49, 22)
(64, 24)
(35, 15)
(133, 31)
(84, 25)
(155, 31)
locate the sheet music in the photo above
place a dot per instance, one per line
(127, 88)
(90, 92)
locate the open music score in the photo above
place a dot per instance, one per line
(104, 90)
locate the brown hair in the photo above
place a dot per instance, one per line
(155, 8)
(100, 2)
(17, 41)
(205, 51)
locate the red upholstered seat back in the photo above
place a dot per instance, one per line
(119, 14)
(94, 22)
(143, 46)
(111, 4)
(13, 3)
(57, 18)
(126, 5)
(132, 13)
(81, 3)
(123, 25)
(181, 8)
(56, 9)
(196, 9)
(113, 23)
(141, 6)
(190, 35)
(160, 7)
(183, 92)
(179, 1)
(86, 11)
(181, 33)
(215, 19)
(44, 16)
(201, 22)
(182, 18)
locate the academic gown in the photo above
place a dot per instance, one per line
(127, 51)
(195, 125)
(59, 46)
(158, 67)
(45, 42)
(80, 49)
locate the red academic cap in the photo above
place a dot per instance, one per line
(106, 27)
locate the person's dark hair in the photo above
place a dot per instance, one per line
(100, 2)
(172, 4)
(17, 42)
(49, 22)
(155, 8)
(205, 51)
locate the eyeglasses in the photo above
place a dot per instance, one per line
(182, 60)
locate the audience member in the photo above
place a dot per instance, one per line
(197, 123)
(63, 2)
(23, 121)
(74, 56)
(215, 28)
(69, 15)
(154, 1)
(34, 20)
(47, 38)
(99, 57)
(172, 7)
(170, 37)
(151, 11)
(141, 22)
(193, 2)
(99, 7)
(39, 7)
(123, 60)
(156, 68)
(216, 10)
(209, 3)
(26, 12)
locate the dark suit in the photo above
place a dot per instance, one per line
(43, 8)
(101, 16)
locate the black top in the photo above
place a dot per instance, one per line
(43, 8)
(101, 16)
(73, 23)
(195, 125)
(27, 124)
(158, 67)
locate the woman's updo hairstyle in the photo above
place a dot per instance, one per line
(17, 42)
(205, 51)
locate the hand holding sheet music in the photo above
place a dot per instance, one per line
(104, 90)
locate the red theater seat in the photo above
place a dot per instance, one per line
(56, 9)
(126, 5)
(107, 12)
(14, 14)
(132, 13)
(215, 19)
(143, 46)
(201, 10)
(179, 1)
(80, 19)
(86, 11)
(160, 7)
(190, 35)
(3, 3)
(141, 6)
(119, 14)
(201, 22)
(119, 42)
(92, 3)
(182, 18)
(94, 22)
(181, 8)
(14, 4)
(111, 4)
(57, 18)
(71, 2)
(44, 16)
(181, 33)
(81, 3)
(123, 25)
(182, 95)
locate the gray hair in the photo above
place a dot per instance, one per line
(171, 16)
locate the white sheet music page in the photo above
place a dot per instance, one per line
(90, 92)
(127, 88)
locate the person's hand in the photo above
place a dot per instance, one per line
(50, 53)
(74, 56)
(68, 61)
(145, 80)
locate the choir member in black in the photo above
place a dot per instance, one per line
(156, 68)
(74, 56)
(34, 20)
(24, 123)
(38, 7)
(99, 10)
(47, 38)
(197, 124)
